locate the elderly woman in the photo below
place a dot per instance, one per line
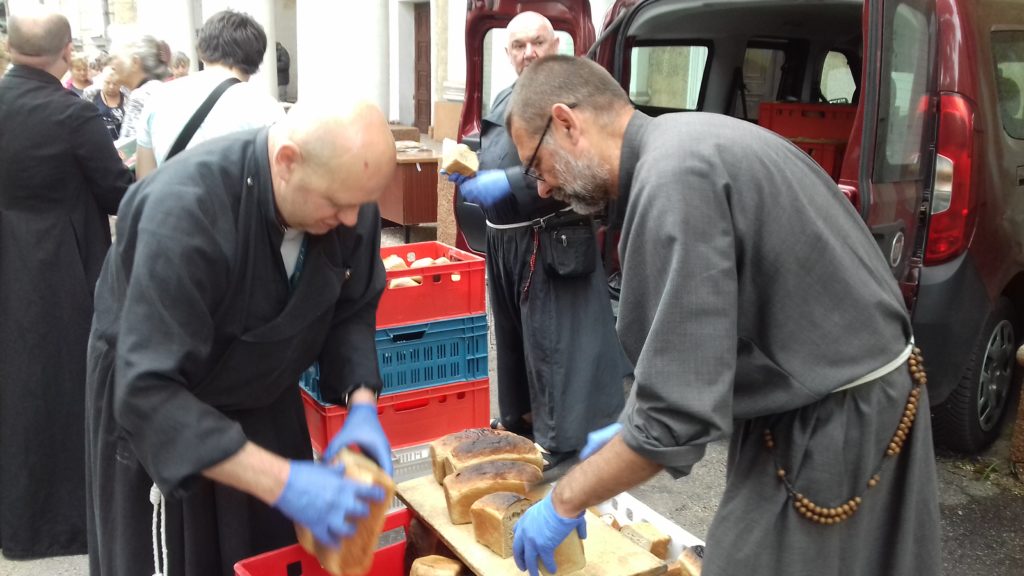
(142, 66)
(78, 73)
(110, 99)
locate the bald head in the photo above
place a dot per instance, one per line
(530, 36)
(37, 35)
(328, 160)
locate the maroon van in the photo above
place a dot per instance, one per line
(913, 106)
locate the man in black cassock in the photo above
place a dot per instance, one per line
(237, 264)
(59, 179)
(560, 365)
(757, 306)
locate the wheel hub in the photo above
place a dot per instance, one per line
(995, 376)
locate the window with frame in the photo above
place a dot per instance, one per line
(667, 76)
(1008, 54)
(903, 95)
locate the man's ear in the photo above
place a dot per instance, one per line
(565, 122)
(286, 160)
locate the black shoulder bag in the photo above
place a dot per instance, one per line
(197, 119)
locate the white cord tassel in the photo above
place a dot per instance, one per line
(159, 510)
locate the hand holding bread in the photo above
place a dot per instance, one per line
(539, 532)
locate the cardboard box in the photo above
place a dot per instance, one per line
(403, 132)
(446, 120)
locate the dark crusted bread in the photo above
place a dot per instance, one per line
(440, 448)
(489, 447)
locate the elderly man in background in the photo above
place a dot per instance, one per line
(236, 266)
(560, 366)
(59, 178)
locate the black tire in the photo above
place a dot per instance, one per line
(968, 421)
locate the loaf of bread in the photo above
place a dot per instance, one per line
(494, 519)
(435, 566)
(692, 560)
(674, 569)
(440, 448)
(355, 555)
(494, 516)
(646, 536)
(491, 447)
(460, 160)
(405, 282)
(394, 262)
(468, 485)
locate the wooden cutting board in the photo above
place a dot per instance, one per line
(608, 552)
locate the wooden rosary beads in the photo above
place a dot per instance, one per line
(836, 514)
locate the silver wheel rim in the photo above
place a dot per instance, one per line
(994, 380)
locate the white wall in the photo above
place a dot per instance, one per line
(402, 65)
(344, 49)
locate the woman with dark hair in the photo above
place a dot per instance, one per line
(231, 46)
(142, 66)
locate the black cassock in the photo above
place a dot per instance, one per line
(59, 178)
(197, 346)
(558, 355)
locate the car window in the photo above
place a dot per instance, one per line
(667, 76)
(498, 71)
(837, 83)
(903, 98)
(1008, 53)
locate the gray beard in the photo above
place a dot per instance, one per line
(584, 182)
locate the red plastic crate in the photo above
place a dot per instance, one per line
(448, 290)
(812, 121)
(409, 418)
(387, 561)
(828, 154)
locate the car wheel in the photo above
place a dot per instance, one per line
(968, 420)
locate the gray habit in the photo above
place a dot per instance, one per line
(558, 356)
(751, 291)
(197, 346)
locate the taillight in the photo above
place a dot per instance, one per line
(952, 209)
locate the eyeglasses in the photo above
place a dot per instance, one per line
(528, 170)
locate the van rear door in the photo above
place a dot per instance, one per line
(488, 71)
(889, 168)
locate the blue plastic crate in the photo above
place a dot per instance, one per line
(417, 356)
(440, 352)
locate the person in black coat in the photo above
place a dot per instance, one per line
(59, 179)
(238, 264)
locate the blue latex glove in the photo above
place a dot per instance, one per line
(362, 428)
(320, 498)
(598, 438)
(487, 188)
(455, 177)
(539, 531)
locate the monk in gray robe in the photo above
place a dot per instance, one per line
(237, 264)
(560, 366)
(756, 306)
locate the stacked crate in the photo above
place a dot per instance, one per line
(431, 349)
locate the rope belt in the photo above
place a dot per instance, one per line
(839, 512)
(535, 223)
(156, 498)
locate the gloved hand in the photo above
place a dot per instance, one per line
(598, 438)
(486, 188)
(539, 531)
(455, 177)
(320, 498)
(363, 429)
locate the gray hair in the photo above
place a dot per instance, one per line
(154, 56)
(563, 80)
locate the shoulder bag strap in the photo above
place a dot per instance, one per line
(197, 119)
